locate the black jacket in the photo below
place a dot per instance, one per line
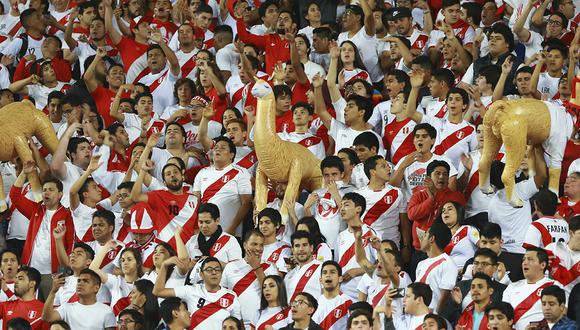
(312, 326)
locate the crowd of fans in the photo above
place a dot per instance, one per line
(146, 218)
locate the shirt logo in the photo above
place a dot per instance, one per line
(308, 143)
(388, 199)
(216, 247)
(32, 314)
(224, 302)
(225, 178)
(112, 254)
(308, 273)
(275, 256)
(279, 316)
(337, 313)
(455, 240)
(460, 135)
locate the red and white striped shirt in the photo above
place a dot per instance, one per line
(545, 231)
(383, 209)
(332, 314)
(525, 298)
(440, 273)
(303, 279)
(566, 268)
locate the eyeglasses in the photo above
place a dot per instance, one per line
(482, 264)
(212, 270)
(124, 322)
(300, 302)
(556, 23)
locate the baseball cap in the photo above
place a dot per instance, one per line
(401, 12)
(356, 9)
(140, 19)
(141, 221)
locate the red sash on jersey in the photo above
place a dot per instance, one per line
(142, 74)
(110, 256)
(430, 268)
(248, 161)
(208, 310)
(121, 304)
(474, 180)
(153, 86)
(452, 139)
(188, 66)
(546, 236)
(88, 236)
(218, 245)
(247, 280)
(212, 189)
(381, 207)
(276, 254)
(527, 303)
(442, 111)
(74, 298)
(15, 29)
(349, 253)
(379, 296)
(336, 314)
(391, 131)
(238, 96)
(275, 318)
(63, 21)
(562, 274)
(9, 293)
(309, 141)
(303, 280)
(460, 235)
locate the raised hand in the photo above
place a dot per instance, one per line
(456, 295)
(334, 50)
(94, 163)
(148, 165)
(101, 52)
(153, 140)
(156, 36)
(28, 167)
(59, 232)
(506, 66)
(416, 78)
(467, 161)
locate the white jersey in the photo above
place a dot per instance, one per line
(358, 177)
(326, 212)
(223, 188)
(209, 309)
(525, 299)
(513, 221)
(161, 156)
(367, 49)
(73, 172)
(545, 231)
(411, 322)
(132, 123)
(548, 86)
(477, 202)
(274, 255)
(332, 314)
(313, 143)
(344, 136)
(10, 25)
(380, 117)
(398, 138)
(274, 316)
(440, 273)
(382, 211)
(40, 93)
(68, 293)
(240, 277)
(415, 174)
(436, 108)
(18, 224)
(187, 63)
(108, 265)
(12, 49)
(225, 249)
(463, 245)
(453, 140)
(235, 89)
(83, 220)
(214, 129)
(344, 254)
(246, 158)
(120, 290)
(75, 315)
(161, 87)
(303, 279)
(568, 266)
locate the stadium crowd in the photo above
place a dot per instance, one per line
(146, 219)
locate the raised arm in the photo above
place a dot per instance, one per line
(77, 185)
(541, 59)
(20, 86)
(333, 72)
(89, 77)
(113, 33)
(506, 68)
(360, 254)
(99, 257)
(57, 166)
(538, 17)
(49, 313)
(405, 52)
(58, 233)
(295, 59)
(319, 105)
(215, 81)
(169, 53)
(369, 18)
(519, 30)
(114, 112)
(411, 107)
(159, 289)
(204, 139)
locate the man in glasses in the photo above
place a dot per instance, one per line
(303, 307)
(208, 302)
(130, 319)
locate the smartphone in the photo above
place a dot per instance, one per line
(400, 293)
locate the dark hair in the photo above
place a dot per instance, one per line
(485, 277)
(332, 263)
(74, 142)
(135, 315)
(180, 162)
(252, 232)
(168, 305)
(332, 162)
(210, 208)
(368, 87)
(239, 324)
(473, 10)
(300, 234)
(264, 7)
(184, 81)
(441, 234)
(151, 307)
(352, 157)
(208, 260)
(94, 276)
(541, 254)
(282, 90)
(563, 17)
(204, 8)
(358, 62)
(371, 164)
(356, 313)
(313, 229)
(86, 5)
(138, 258)
(282, 295)
(358, 201)
(441, 324)
(33, 275)
(18, 323)
(367, 139)
(9, 250)
(271, 213)
(26, 16)
(142, 95)
(61, 323)
(437, 163)
(84, 188)
(491, 230)
(400, 76)
(54, 180)
(168, 165)
(491, 74)
(506, 32)
(555, 291)
(363, 103)
(428, 128)
(323, 32)
(304, 105)
(445, 76)
(126, 185)
(574, 223)
(460, 91)
(223, 29)
(231, 144)
(87, 248)
(311, 300)
(55, 95)
(505, 308)
(487, 253)
(459, 209)
(424, 62)
(546, 201)
(178, 125)
(449, 3)
(421, 290)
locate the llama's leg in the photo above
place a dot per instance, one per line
(261, 198)
(292, 189)
(25, 154)
(514, 135)
(491, 146)
(3, 205)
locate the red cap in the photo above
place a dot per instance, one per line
(140, 19)
(141, 221)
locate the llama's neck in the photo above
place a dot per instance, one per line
(265, 126)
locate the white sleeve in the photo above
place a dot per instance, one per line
(197, 183)
(110, 320)
(244, 183)
(468, 76)
(533, 236)
(236, 310)
(13, 48)
(63, 310)
(469, 36)
(526, 189)
(4, 77)
(339, 107)
(448, 276)
(235, 251)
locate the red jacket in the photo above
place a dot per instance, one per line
(422, 209)
(35, 213)
(465, 321)
(62, 69)
(277, 49)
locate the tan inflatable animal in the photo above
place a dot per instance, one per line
(516, 124)
(279, 161)
(19, 122)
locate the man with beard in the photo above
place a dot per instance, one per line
(26, 306)
(332, 311)
(226, 185)
(416, 306)
(304, 276)
(173, 207)
(103, 226)
(473, 316)
(187, 50)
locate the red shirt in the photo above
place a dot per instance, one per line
(422, 209)
(220, 104)
(277, 49)
(103, 98)
(299, 92)
(130, 51)
(31, 311)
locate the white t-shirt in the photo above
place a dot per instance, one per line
(415, 174)
(463, 245)
(227, 59)
(441, 277)
(344, 136)
(235, 277)
(383, 209)
(311, 142)
(75, 314)
(40, 93)
(308, 274)
(40, 258)
(73, 172)
(548, 85)
(333, 311)
(161, 85)
(547, 230)
(83, 220)
(367, 49)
